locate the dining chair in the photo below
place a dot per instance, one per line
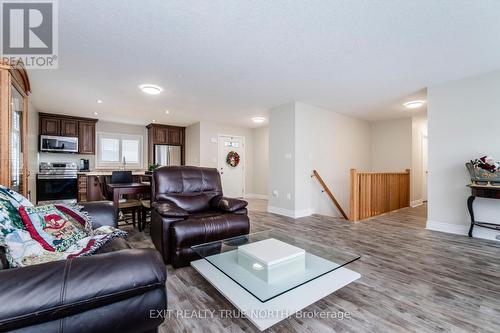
(128, 204)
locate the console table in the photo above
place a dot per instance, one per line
(489, 192)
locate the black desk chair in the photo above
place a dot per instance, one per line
(130, 204)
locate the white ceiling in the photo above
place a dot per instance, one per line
(231, 60)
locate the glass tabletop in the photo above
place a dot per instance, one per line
(270, 263)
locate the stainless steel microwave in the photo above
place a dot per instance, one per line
(58, 144)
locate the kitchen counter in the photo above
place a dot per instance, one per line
(108, 173)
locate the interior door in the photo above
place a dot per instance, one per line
(232, 176)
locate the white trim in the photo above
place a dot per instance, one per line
(458, 229)
(416, 203)
(120, 137)
(242, 159)
(294, 214)
(462, 229)
(256, 196)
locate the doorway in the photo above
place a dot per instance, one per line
(231, 164)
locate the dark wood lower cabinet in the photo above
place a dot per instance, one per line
(89, 188)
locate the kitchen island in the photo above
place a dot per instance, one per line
(92, 184)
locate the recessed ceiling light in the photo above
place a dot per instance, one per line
(167, 111)
(154, 120)
(258, 120)
(99, 101)
(95, 113)
(414, 104)
(150, 89)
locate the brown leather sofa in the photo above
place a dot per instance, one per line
(189, 209)
(120, 289)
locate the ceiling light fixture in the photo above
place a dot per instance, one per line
(414, 104)
(154, 120)
(150, 89)
(95, 113)
(99, 101)
(167, 111)
(258, 120)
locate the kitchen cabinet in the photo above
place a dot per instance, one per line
(175, 136)
(159, 134)
(63, 125)
(89, 188)
(69, 127)
(50, 126)
(86, 137)
(14, 91)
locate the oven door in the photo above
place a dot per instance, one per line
(56, 189)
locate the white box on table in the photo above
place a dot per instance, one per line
(271, 259)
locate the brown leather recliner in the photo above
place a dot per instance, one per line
(189, 209)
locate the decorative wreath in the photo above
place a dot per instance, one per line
(233, 159)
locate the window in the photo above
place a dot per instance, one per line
(113, 148)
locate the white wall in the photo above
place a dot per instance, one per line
(333, 143)
(463, 125)
(260, 162)
(193, 144)
(391, 142)
(282, 161)
(314, 138)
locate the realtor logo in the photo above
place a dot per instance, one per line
(29, 33)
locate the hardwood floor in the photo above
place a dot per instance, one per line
(413, 280)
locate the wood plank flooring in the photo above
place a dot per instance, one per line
(413, 280)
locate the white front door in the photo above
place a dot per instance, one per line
(232, 176)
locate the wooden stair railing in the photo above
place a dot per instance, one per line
(330, 194)
(375, 193)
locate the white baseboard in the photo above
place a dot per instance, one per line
(462, 229)
(458, 229)
(295, 214)
(256, 196)
(416, 203)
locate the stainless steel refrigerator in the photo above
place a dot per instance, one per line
(167, 155)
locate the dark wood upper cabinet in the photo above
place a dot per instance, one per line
(86, 138)
(165, 135)
(50, 126)
(160, 134)
(69, 127)
(62, 125)
(175, 136)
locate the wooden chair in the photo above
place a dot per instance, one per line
(129, 204)
(145, 204)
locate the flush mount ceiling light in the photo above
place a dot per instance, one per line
(150, 89)
(99, 101)
(95, 113)
(167, 111)
(154, 120)
(258, 120)
(414, 104)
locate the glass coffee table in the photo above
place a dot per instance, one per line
(271, 275)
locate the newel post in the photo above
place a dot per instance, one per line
(354, 196)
